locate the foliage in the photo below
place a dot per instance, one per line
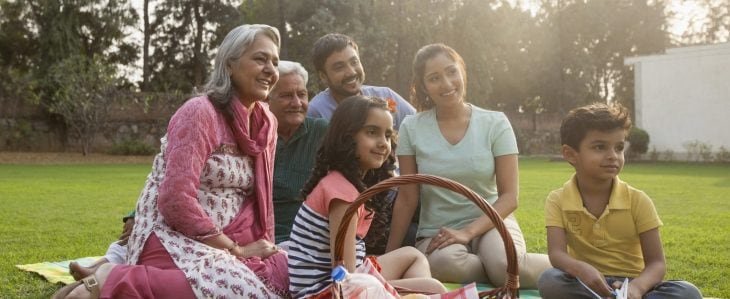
(37, 36)
(705, 151)
(714, 28)
(638, 142)
(595, 36)
(692, 149)
(77, 208)
(19, 135)
(185, 35)
(85, 94)
(564, 54)
(654, 154)
(17, 52)
(16, 88)
(94, 29)
(723, 155)
(567, 54)
(132, 148)
(17, 47)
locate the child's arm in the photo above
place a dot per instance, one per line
(559, 257)
(508, 189)
(654, 264)
(337, 209)
(404, 206)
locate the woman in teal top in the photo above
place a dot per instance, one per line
(473, 146)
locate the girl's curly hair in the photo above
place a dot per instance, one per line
(338, 152)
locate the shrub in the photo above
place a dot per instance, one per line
(693, 150)
(654, 154)
(723, 155)
(705, 150)
(638, 142)
(84, 93)
(132, 148)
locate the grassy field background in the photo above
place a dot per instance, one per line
(62, 209)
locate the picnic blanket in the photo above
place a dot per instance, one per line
(524, 293)
(56, 272)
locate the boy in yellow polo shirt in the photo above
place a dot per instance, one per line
(600, 230)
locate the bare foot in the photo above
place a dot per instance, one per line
(101, 275)
(78, 272)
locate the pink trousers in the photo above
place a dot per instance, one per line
(154, 276)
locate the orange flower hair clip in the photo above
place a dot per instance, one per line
(391, 105)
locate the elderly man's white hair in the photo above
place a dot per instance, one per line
(290, 67)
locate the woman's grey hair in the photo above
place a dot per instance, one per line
(290, 67)
(219, 88)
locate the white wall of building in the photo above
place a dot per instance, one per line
(683, 96)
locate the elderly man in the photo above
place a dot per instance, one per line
(297, 144)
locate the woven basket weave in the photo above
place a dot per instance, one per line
(510, 288)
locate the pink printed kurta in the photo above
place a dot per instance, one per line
(199, 184)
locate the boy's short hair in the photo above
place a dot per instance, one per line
(328, 44)
(596, 116)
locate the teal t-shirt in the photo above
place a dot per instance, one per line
(469, 162)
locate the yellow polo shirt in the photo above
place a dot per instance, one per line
(611, 242)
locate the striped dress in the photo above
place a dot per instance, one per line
(310, 258)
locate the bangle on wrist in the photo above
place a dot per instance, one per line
(232, 247)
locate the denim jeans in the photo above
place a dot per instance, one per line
(554, 283)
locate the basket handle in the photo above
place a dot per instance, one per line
(509, 290)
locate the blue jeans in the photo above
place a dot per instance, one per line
(554, 283)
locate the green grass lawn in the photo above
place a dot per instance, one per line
(59, 212)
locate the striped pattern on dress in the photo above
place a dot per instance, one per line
(310, 260)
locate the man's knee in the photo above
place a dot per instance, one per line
(675, 289)
(553, 283)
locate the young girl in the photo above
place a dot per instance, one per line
(356, 153)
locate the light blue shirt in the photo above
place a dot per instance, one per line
(469, 162)
(323, 104)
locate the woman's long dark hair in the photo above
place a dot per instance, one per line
(338, 152)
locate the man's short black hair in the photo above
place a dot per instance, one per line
(328, 44)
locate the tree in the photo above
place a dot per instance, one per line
(718, 29)
(94, 29)
(594, 38)
(146, 46)
(714, 27)
(86, 93)
(18, 44)
(18, 47)
(187, 34)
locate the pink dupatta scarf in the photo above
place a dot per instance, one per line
(261, 145)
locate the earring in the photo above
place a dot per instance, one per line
(428, 99)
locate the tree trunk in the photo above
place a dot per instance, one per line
(146, 48)
(401, 64)
(282, 30)
(199, 68)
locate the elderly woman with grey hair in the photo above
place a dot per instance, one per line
(204, 225)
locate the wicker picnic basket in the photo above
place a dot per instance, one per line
(511, 286)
